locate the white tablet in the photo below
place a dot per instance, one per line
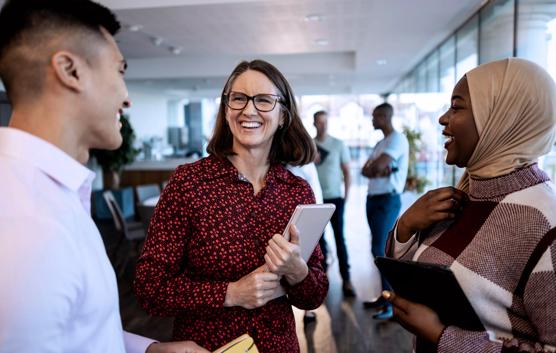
(310, 220)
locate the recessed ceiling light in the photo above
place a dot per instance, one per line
(176, 50)
(381, 62)
(134, 28)
(314, 18)
(322, 42)
(157, 41)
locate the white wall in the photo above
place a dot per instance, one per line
(148, 114)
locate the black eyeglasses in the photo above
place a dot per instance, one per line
(262, 102)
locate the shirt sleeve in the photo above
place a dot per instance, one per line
(396, 146)
(40, 285)
(399, 250)
(310, 293)
(161, 286)
(135, 343)
(312, 177)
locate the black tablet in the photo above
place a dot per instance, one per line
(434, 286)
(323, 153)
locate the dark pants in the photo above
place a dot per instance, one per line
(337, 222)
(382, 211)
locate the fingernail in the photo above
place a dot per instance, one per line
(386, 294)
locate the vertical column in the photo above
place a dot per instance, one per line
(532, 36)
(497, 29)
(194, 122)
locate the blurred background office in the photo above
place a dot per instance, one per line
(342, 56)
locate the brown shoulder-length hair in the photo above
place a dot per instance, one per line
(291, 143)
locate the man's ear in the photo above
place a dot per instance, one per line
(68, 69)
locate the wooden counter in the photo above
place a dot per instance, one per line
(151, 172)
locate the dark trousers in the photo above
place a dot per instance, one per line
(337, 222)
(382, 211)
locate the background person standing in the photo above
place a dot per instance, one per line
(387, 171)
(333, 169)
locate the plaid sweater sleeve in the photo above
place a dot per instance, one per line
(538, 288)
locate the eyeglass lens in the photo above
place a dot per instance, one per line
(262, 102)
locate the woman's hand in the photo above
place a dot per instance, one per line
(253, 290)
(434, 206)
(418, 319)
(284, 257)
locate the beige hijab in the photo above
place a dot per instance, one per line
(514, 105)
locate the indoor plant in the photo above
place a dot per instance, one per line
(112, 162)
(414, 182)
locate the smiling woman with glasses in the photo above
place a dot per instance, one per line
(217, 226)
(263, 102)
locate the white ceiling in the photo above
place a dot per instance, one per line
(217, 34)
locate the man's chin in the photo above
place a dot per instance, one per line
(110, 145)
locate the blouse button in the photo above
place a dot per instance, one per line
(257, 242)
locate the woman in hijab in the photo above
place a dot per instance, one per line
(496, 231)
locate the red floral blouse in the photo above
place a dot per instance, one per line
(209, 229)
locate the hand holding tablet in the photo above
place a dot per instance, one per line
(310, 221)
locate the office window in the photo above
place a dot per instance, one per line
(431, 64)
(535, 30)
(497, 29)
(448, 65)
(467, 47)
(421, 77)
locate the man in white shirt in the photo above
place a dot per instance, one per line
(63, 74)
(387, 171)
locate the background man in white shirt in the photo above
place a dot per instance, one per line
(387, 171)
(63, 74)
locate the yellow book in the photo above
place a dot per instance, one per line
(242, 344)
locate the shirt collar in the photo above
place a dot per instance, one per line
(227, 169)
(48, 158)
(506, 184)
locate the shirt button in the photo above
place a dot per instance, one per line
(257, 242)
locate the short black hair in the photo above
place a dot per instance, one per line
(27, 25)
(319, 113)
(385, 107)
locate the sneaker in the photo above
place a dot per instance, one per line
(378, 303)
(348, 290)
(386, 314)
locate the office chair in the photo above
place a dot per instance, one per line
(146, 191)
(132, 232)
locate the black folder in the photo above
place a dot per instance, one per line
(434, 286)
(323, 153)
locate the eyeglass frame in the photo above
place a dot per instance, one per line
(277, 99)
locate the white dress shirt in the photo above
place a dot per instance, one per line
(309, 173)
(58, 291)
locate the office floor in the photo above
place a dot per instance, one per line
(342, 325)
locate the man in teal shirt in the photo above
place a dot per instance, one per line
(333, 169)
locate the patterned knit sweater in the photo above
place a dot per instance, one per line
(502, 251)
